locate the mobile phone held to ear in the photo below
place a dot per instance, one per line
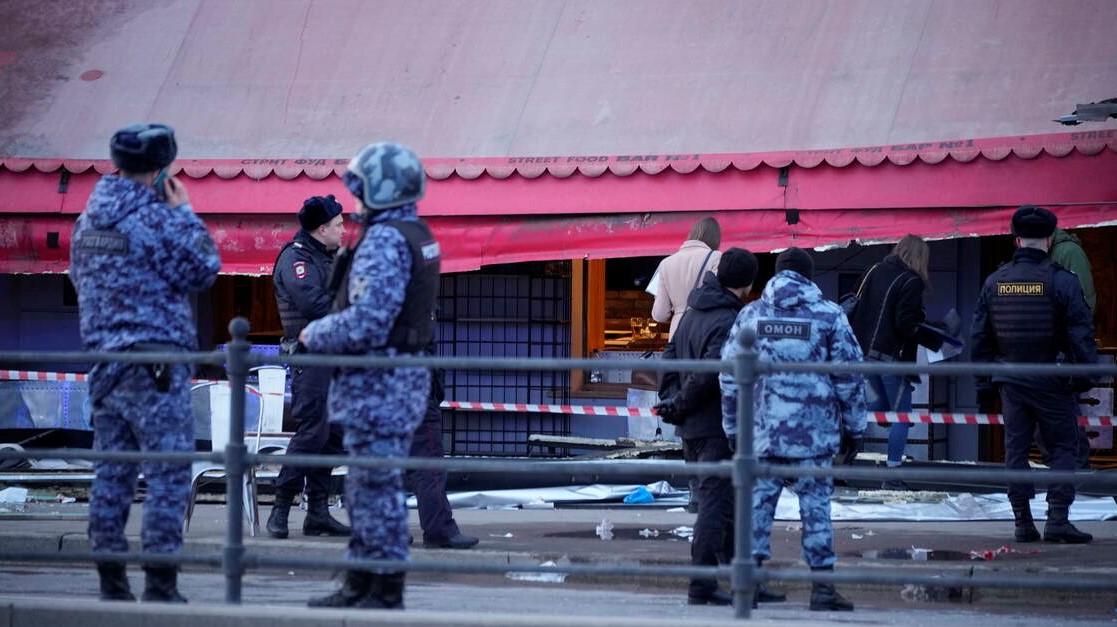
(160, 185)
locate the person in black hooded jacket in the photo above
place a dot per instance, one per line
(692, 402)
(887, 323)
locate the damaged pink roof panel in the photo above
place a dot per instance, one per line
(470, 79)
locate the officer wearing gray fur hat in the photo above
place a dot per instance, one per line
(1032, 311)
(138, 255)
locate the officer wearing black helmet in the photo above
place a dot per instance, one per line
(301, 274)
(1032, 310)
(137, 255)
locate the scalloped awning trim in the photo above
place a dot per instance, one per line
(963, 151)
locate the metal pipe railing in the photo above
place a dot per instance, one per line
(744, 468)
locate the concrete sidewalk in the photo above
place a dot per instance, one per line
(641, 535)
(645, 536)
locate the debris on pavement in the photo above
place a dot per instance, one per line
(538, 576)
(605, 529)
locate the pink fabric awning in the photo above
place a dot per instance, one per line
(621, 208)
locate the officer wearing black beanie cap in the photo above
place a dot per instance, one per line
(798, 417)
(301, 274)
(1033, 311)
(797, 260)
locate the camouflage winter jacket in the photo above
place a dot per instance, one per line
(134, 262)
(797, 415)
(377, 289)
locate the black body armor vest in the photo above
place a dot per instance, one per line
(1023, 311)
(414, 327)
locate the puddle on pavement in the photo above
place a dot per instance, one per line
(920, 555)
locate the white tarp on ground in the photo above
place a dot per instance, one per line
(849, 505)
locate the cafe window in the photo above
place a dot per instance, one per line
(615, 310)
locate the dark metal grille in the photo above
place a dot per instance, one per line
(521, 310)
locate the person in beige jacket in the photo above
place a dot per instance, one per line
(682, 271)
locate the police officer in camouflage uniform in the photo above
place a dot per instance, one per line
(798, 416)
(301, 273)
(384, 305)
(137, 255)
(1032, 311)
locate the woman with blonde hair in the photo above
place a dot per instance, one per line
(887, 322)
(682, 271)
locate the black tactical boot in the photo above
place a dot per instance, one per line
(1059, 529)
(161, 585)
(763, 594)
(357, 585)
(1025, 527)
(114, 582)
(386, 593)
(824, 598)
(713, 597)
(318, 521)
(277, 520)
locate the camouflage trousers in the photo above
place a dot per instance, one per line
(382, 427)
(814, 511)
(129, 414)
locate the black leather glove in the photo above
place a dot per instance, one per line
(987, 400)
(850, 446)
(668, 411)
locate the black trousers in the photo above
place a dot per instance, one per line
(713, 527)
(435, 515)
(1055, 413)
(314, 434)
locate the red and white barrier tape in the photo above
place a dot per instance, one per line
(881, 417)
(81, 377)
(31, 375)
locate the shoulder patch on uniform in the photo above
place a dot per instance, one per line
(1020, 289)
(430, 251)
(204, 244)
(103, 242)
(300, 269)
(783, 329)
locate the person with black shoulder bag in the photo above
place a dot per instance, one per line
(887, 321)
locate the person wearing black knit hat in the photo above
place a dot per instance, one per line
(690, 401)
(797, 260)
(737, 269)
(797, 418)
(1033, 311)
(302, 271)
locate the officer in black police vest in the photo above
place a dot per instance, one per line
(302, 271)
(1032, 310)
